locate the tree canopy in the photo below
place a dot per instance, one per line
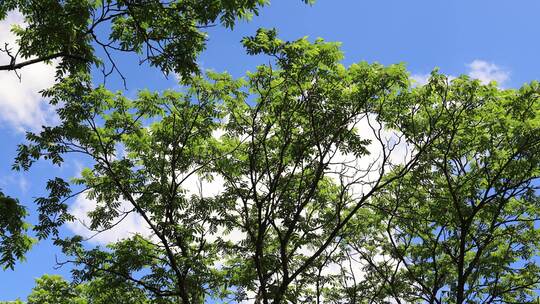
(51, 289)
(83, 35)
(335, 184)
(80, 34)
(14, 242)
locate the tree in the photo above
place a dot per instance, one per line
(303, 168)
(462, 226)
(338, 184)
(53, 289)
(14, 241)
(289, 188)
(179, 142)
(166, 34)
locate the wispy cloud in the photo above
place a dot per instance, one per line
(14, 181)
(487, 72)
(482, 70)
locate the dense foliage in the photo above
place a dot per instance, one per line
(80, 35)
(84, 33)
(53, 289)
(14, 242)
(334, 184)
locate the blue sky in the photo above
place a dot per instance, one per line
(493, 39)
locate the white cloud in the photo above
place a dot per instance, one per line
(134, 223)
(487, 72)
(130, 225)
(420, 79)
(477, 69)
(196, 185)
(21, 104)
(361, 173)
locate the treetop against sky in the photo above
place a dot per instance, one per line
(187, 152)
